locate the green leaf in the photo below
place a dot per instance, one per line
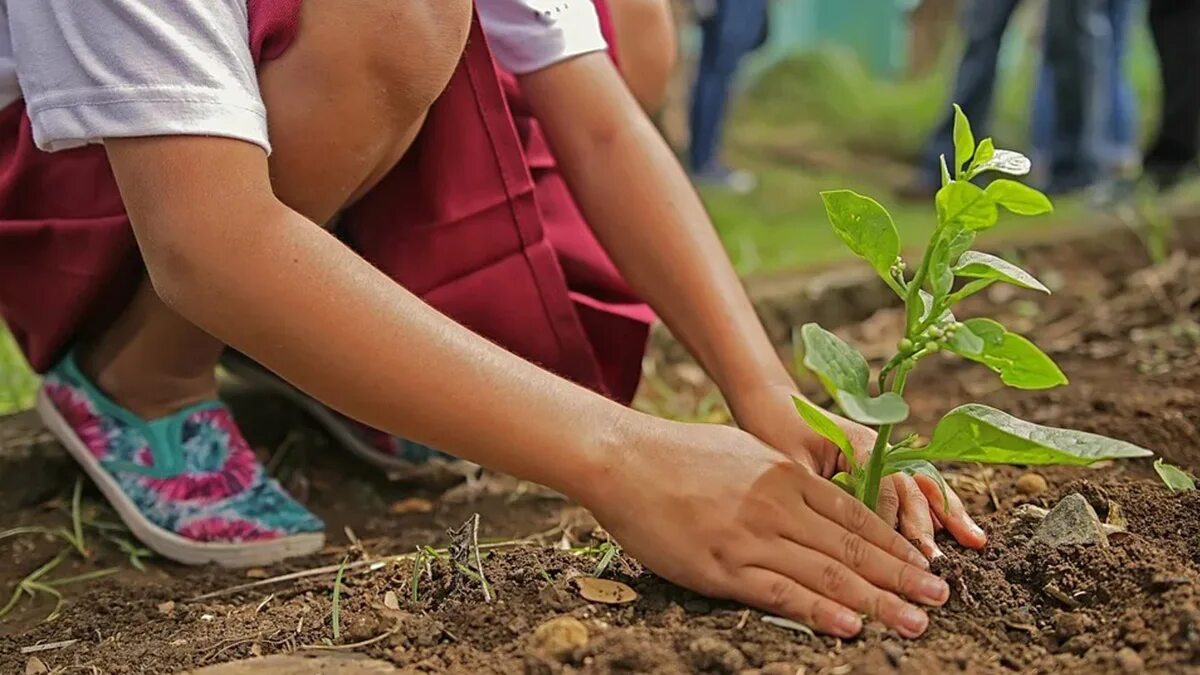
(1018, 361)
(948, 248)
(914, 467)
(984, 266)
(844, 374)
(945, 172)
(977, 433)
(1176, 479)
(927, 307)
(844, 481)
(1018, 197)
(1003, 161)
(966, 343)
(820, 422)
(964, 140)
(983, 154)
(962, 205)
(866, 227)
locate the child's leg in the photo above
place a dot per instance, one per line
(344, 103)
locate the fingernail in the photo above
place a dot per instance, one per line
(975, 529)
(931, 548)
(917, 558)
(933, 590)
(847, 624)
(913, 621)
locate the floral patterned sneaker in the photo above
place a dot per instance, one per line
(186, 485)
(399, 457)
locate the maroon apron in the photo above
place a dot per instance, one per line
(475, 219)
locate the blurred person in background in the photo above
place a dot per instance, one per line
(646, 48)
(1114, 111)
(1175, 25)
(730, 30)
(1076, 36)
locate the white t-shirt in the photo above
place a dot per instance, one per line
(89, 69)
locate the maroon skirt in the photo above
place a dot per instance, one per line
(476, 220)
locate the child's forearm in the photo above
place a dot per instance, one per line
(265, 280)
(645, 212)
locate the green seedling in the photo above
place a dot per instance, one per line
(949, 272)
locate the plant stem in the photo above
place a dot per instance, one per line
(883, 438)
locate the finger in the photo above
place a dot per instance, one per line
(937, 522)
(916, 523)
(870, 562)
(833, 580)
(782, 596)
(888, 505)
(830, 501)
(956, 519)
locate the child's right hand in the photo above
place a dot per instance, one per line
(715, 510)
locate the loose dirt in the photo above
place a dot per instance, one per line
(1128, 342)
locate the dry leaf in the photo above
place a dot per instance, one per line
(604, 591)
(391, 601)
(35, 666)
(411, 505)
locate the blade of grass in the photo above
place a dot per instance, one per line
(337, 601)
(87, 576)
(77, 518)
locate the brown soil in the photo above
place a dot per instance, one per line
(1127, 342)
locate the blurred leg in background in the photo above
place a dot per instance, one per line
(647, 48)
(984, 24)
(731, 29)
(1078, 54)
(1176, 28)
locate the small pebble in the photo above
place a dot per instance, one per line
(560, 637)
(1032, 484)
(1129, 661)
(713, 655)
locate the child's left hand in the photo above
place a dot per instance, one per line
(912, 504)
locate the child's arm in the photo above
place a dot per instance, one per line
(708, 507)
(645, 212)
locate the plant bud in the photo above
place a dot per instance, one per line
(932, 347)
(935, 332)
(904, 345)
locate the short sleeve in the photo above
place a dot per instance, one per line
(529, 35)
(90, 69)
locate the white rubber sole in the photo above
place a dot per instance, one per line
(253, 375)
(164, 542)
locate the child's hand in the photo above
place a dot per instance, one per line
(912, 504)
(714, 509)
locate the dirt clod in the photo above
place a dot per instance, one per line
(1129, 661)
(1032, 484)
(559, 637)
(713, 655)
(1072, 521)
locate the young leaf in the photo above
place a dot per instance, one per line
(964, 141)
(945, 172)
(820, 423)
(927, 307)
(1176, 479)
(845, 481)
(1018, 361)
(977, 433)
(962, 205)
(984, 266)
(948, 248)
(844, 374)
(1003, 161)
(866, 227)
(1018, 197)
(914, 467)
(983, 155)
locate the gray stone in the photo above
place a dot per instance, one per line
(1072, 521)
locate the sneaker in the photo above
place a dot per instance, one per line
(187, 485)
(399, 457)
(736, 181)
